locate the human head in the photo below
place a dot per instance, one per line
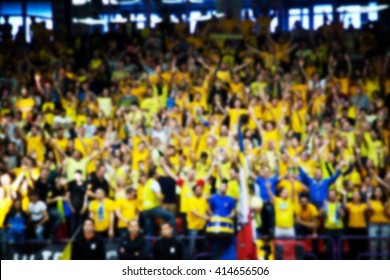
(130, 194)
(78, 175)
(304, 200)
(166, 230)
(133, 227)
(34, 196)
(283, 194)
(223, 187)
(318, 174)
(100, 194)
(88, 226)
(197, 190)
(356, 196)
(332, 196)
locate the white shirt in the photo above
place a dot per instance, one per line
(320, 84)
(36, 210)
(155, 186)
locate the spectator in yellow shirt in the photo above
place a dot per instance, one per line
(25, 104)
(196, 217)
(126, 211)
(101, 210)
(284, 212)
(379, 222)
(357, 214)
(306, 216)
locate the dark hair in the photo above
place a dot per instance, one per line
(204, 155)
(34, 193)
(89, 219)
(304, 195)
(130, 190)
(152, 172)
(224, 181)
(194, 187)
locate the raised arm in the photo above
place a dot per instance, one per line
(252, 49)
(301, 67)
(349, 64)
(334, 177)
(269, 191)
(242, 66)
(168, 170)
(203, 63)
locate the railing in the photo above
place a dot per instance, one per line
(366, 239)
(327, 248)
(323, 243)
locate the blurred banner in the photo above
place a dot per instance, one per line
(51, 251)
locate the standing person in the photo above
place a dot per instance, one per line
(56, 199)
(357, 226)
(16, 223)
(318, 186)
(38, 216)
(98, 181)
(77, 190)
(126, 211)
(284, 212)
(333, 213)
(88, 246)
(267, 212)
(306, 217)
(168, 247)
(133, 245)
(379, 223)
(222, 209)
(196, 217)
(101, 210)
(152, 199)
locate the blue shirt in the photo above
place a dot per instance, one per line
(318, 189)
(262, 183)
(222, 205)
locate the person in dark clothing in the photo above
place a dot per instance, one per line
(77, 201)
(168, 247)
(133, 247)
(88, 246)
(168, 189)
(97, 181)
(55, 197)
(44, 184)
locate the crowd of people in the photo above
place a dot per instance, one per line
(133, 130)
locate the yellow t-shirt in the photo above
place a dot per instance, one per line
(298, 188)
(199, 205)
(233, 189)
(284, 213)
(62, 144)
(25, 105)
(128, 210)
(307, 214)
(357, 215)
(101, 213)
(378, 213)
(35, 144)
(344, 85)
(185, 196)
(139, 156)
